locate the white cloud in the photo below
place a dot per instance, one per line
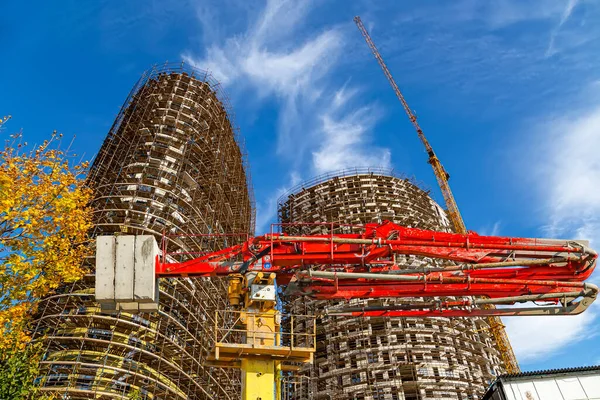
(564, 17)
(563, 161)
(256, 59)
(496, 14)
(570, 172)
(493, 230)
(276, 59)
(344, 138)
(538, 338)
(502, 13)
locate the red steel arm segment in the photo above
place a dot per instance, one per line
(360, 265)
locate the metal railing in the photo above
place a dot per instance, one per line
(349, 172)
(260, 329)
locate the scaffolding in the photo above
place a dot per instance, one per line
(171, 166)
(384, 358)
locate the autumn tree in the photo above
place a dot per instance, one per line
(44, 221)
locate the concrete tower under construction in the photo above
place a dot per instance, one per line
(171, 166)
(384, 358)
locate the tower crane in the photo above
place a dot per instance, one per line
(442, 177)
(358, 265)
(438, 169)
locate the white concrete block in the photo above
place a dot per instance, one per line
(124, 267)
(125, 273)
(148, 307)
(105, 269)
(128, 306)
(146, 254)
(135, 307)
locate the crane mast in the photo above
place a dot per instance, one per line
(442, 177)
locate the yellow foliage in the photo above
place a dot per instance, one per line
(44, 220)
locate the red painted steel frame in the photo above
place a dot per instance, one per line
(361, 266)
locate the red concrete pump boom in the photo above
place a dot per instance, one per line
(465, 271)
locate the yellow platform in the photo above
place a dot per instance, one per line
(223, 351)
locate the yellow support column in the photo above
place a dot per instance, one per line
(259, 373)
(277, 380)
(258, 379)
(259, 352)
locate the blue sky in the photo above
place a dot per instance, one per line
(508, 93)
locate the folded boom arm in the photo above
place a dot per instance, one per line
(464, 271)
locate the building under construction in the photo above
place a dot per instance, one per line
(171, 166)
(384, 358)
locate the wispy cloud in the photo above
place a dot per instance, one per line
(561, 137)
(493, 230)
(570, 171)
(538, 338)
(275, 60)
(344, 137)
(267, 211)
(565, 171)
(495, 50)
(503, 13)
(266, 60)
(564, 17)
